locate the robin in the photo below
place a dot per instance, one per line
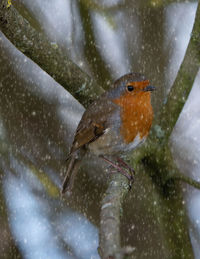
(117, 122)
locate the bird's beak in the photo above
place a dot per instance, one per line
(149, 88)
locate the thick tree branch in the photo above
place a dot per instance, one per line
(184, 81)
(48, 56)
(111, 211)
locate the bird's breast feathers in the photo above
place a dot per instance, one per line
(136, 117)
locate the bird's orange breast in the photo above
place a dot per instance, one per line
(136, 115)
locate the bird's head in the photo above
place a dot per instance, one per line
(131, 85)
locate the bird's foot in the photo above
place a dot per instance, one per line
(125, 165)
(121, 166)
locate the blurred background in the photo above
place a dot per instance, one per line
(38, 118)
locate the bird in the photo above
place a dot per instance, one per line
(113, 124)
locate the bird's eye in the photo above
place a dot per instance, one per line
(130, 88)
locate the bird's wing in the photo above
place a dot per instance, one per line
(93, 124)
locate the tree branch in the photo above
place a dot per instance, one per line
(111, 211)
(47, 55)
(186, 179)
(183, 83)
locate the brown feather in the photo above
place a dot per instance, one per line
(93, 123)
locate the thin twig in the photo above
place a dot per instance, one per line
(186, 179)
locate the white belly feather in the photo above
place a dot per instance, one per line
(111, 143)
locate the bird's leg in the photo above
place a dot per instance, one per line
(119, 169)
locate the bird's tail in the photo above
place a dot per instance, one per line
(68, 182)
